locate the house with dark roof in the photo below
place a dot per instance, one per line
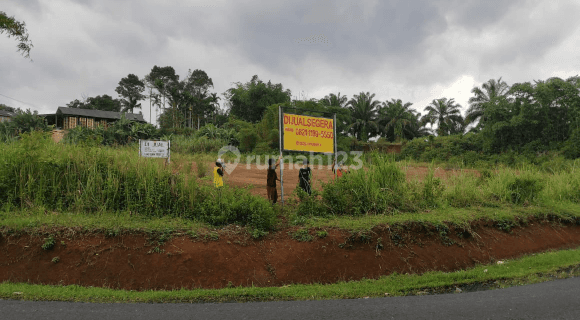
(68, 118)
(5, 115)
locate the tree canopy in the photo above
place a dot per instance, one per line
(396, 119)
(104, 102)
(489, 93)
(446, 114)
(130, 89)
(17, 29)
(248, 101)
(7, 108)
(363, 109)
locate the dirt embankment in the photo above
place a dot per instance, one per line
(142, 262)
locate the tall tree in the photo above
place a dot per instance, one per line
(131, 90)
(333, 100)
(417, 128)
(17, 29)
(489, 92)
(336, 103)
(363, 110)
(396, 117)
(161, 78)
(248, 101)
(200, 102)
(446, 114)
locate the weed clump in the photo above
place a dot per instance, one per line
(48, 243)
(380, 189)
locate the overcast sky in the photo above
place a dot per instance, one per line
(416, 51)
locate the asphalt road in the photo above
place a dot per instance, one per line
(558, 299)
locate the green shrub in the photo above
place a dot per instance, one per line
(525, 189)
(248, 139)
(48, 243)
(121, 132)
(516, 187)
(308, 205)
(381, 189)
(571, 148)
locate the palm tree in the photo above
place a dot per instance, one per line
(446, 114)
(417, 127)
(396, 117)
(129, 104)
(489, 93)
(333, 100)
(363, 110)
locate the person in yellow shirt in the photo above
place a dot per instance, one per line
(218, 174)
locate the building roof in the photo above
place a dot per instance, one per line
(5, 113)
(99, 114)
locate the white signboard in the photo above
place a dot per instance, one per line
(154, 149)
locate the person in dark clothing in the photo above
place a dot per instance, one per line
(304, 175)
(271, 180)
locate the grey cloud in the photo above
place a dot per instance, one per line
(530, 40)
(393, 28)
(406, 43)
(475, 15)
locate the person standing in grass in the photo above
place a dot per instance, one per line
(339, 169)
(271, 180)
(304, 175)
(218, 174)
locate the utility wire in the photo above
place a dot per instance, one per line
(20, 101)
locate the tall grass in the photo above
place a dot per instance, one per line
(193, 144)
(563, 186)
(381, 188)
(36, 171)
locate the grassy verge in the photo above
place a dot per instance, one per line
(447, 215)
(41, 218)
(529, 269)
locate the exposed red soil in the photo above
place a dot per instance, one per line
(245, 175)
(129, 261)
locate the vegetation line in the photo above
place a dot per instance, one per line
(529, 269)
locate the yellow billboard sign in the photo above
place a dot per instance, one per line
(305, 133)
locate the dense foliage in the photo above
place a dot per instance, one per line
(22, 122)
(522, 124)
(249, 100)
(104, 102)
(120, 132)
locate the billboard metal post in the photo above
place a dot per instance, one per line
(335, 147)
(281, 155)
